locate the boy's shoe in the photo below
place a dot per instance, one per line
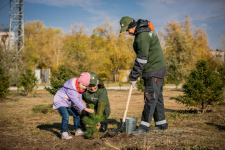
(139, 132)
(80, 132)
(65, 136)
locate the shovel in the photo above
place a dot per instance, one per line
(121, 128)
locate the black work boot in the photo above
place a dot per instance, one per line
(139, 132)
(159, 127)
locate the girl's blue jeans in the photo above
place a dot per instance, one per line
(64, 112)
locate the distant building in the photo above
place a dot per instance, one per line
(219, 54)
(5, 37)
(42, 75)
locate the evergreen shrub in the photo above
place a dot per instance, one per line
(27, 82)
(4, 84)
(61, 76)
(92, 123)
(203, 87)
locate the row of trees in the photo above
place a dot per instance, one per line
(184, 47)
(104, 51)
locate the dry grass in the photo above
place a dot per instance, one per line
(22, 128)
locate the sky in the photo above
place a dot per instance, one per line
(206, 14)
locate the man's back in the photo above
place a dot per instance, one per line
(147, 44)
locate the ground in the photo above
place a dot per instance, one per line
(26, 123)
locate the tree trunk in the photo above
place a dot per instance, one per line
(114, 77)
(202, 107)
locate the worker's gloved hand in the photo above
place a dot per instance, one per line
(133, 83)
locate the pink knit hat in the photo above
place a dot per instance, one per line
(84, 78)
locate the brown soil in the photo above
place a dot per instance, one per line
(21, 128)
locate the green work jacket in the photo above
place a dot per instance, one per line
(150, 60)
(95, 97)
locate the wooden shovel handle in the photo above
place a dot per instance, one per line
(128, 101)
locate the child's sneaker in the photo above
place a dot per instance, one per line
(80, 132)
(65, 136)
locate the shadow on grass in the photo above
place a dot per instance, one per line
(221, 128)
(190, 111)
(50, 127)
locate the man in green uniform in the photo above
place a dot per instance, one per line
(151, 63)
(97, 95)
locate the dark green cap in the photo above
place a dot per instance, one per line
(124, 23)
(94, 78)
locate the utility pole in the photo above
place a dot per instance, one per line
(16, 26)
(16, 37)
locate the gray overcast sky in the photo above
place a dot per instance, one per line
(63, 13)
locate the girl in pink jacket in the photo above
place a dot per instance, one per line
(71, 94)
